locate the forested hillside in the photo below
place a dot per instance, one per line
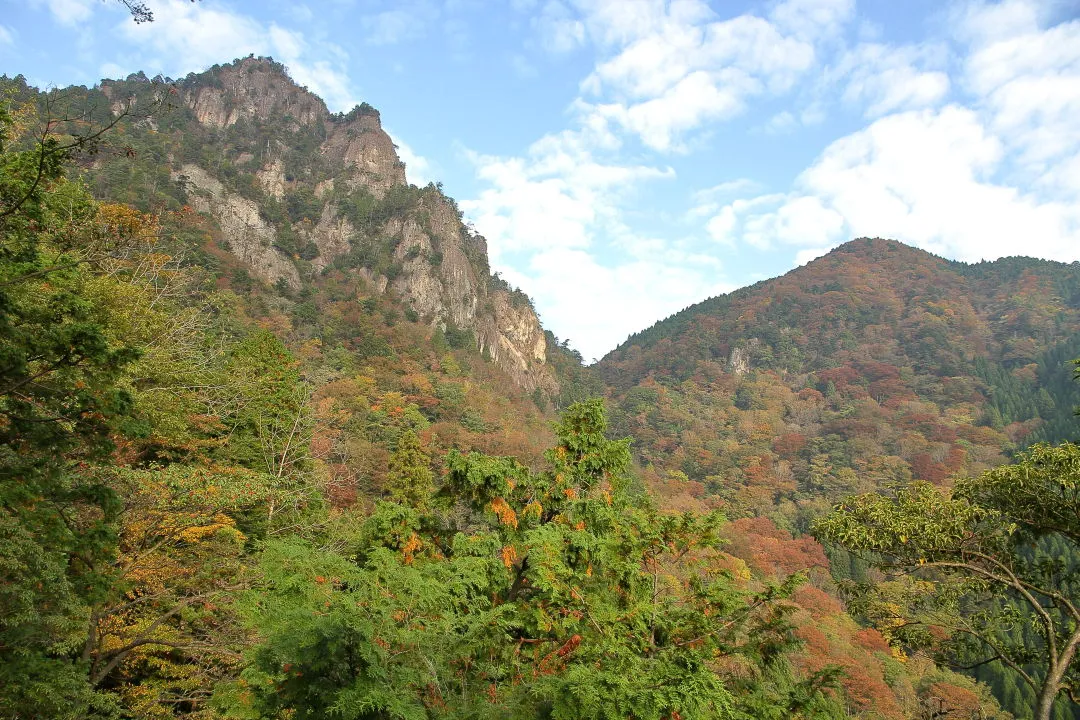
(873, 364)
(870, 367)
(276, 443)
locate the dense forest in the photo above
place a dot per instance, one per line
(277, 443)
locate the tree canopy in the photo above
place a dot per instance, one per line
(984, 573)
(521, 594)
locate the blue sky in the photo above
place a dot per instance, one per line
(627, 158)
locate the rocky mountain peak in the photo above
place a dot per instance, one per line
(252, 88)
(295, 191)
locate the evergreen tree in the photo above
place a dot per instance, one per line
(527, 595)
(59, 404)
(409, 477)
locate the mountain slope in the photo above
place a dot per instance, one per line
(873, 363)
(294, 192)
(366, 323)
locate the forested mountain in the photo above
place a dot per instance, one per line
(875, 363)
(873, 366)
(278, 444)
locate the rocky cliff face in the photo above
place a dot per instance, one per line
(310, 162)
(244, 231)
(252, 89)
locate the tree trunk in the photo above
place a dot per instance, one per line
(1047, 694)
(1055, 673)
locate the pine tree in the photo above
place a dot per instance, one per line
(409, 476)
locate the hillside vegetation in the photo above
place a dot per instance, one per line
(277, 443)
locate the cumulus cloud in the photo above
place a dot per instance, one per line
(813, 19)
(709, 200)
(556, 216)
(994, 173)
(926, 178)
(418, 168)
(806, 255)
(597, 304)
(884, 78)
(1027, 83)
(683, 67)
(559, 195)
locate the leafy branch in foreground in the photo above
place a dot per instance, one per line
(972, 581)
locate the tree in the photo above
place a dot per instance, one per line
(140, 12)
(551, 594)
(59, 407)
(984, 574)
(409, 478)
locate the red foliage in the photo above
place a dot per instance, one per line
(923, 467)
(841, 377)
(810, 395)
(772, 551)
(817, 602)
(788, 445)
(872, 640)
(951, 702)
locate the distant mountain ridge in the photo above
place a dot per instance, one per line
(874, 300)
(875, 350)
(868, 282)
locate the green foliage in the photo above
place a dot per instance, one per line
(409, 479)
(969, 586)
(526, 595)
(59, 403)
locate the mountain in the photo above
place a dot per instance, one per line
(296, 192)
(315, 296)
(874, 363)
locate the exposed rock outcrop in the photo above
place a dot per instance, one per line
(367, 150)
(441, 270)
(243, 229)
(253, 88)
(271, 178)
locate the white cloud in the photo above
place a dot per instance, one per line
(418, 168)
(982, 22)
(677, 67)
(813, 19)
(804, 256)
(708, 200)
(560, 31)
(189, 37)
(7, 36)
(1028, 85)
(69, 12)
(553, 216)
(925, 178)
(398, 25)
(597, 305)
(885, 78)
(113, 71)
(781, 122)
(326, 80)
(558, 196)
